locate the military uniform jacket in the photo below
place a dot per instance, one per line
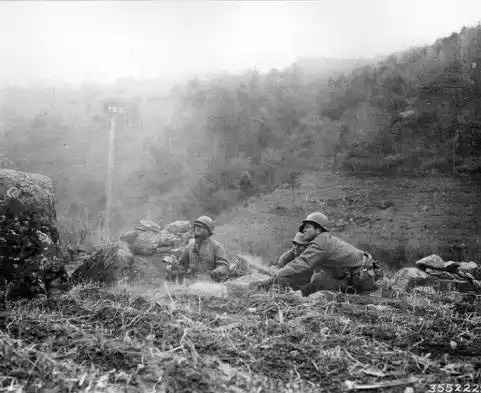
(324, 252)
(209, 256)
(285, 258)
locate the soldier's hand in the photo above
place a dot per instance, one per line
(216, 274)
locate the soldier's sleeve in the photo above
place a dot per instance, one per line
(306, 262)
(221, 258)
(184, 259)
(285, 258)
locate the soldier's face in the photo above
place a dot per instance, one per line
(299, 249)
(200, 231)
(310, 232)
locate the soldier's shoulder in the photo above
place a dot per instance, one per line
(341, 242)
(322, 238)
(215, 242)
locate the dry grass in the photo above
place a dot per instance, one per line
(226, 338)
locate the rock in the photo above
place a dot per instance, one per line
(465, 267)
(150, 225)
(31, 259)
(432, 261)
(410, 277)
(178, 227)
(33, 191)
(147, 242)
(439, 273)
(451, 267)
(108, 265)
(468, 267)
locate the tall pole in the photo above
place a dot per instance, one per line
(110, 168)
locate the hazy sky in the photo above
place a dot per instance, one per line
(102, 41)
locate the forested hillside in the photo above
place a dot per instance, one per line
(211, 143)
(415, 111)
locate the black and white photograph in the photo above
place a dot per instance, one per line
(221, 196)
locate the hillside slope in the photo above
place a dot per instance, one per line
(397, 219)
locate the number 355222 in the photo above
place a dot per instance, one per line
(452, 388)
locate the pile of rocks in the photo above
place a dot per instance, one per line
(149, 239)
(140, 253)
(432, 273)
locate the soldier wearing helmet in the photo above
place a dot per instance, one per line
(299, 244)
(327, 263)
(204, 255)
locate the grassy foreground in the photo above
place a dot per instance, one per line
(227, 338)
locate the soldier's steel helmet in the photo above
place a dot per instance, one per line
(316, 218)
(206, 222)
